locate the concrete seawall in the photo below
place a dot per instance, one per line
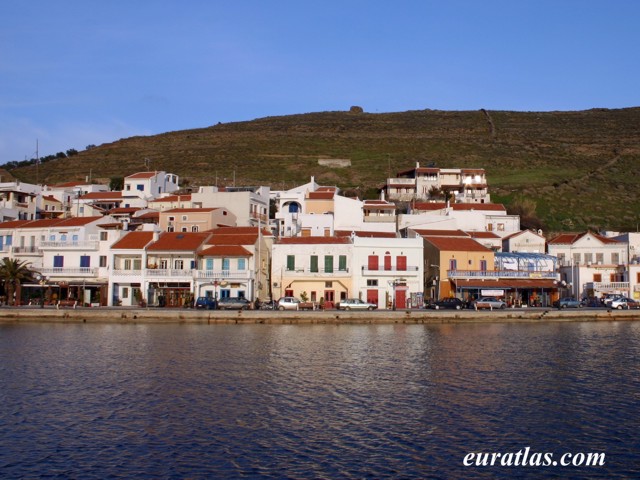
(189, 316)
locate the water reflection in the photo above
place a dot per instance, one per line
(378, 401)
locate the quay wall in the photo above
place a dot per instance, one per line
(189, 316)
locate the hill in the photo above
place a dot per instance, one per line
(580, 168)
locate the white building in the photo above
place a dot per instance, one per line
(250, 205)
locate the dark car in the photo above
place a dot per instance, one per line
(450, 302)
(234, 303)
(207, 303)
(568, 302)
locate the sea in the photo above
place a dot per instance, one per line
(156, 401)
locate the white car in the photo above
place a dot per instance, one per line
(288, 303)
(355, 304)
(489, 302)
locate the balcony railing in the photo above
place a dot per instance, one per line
(317, 271)
(501, 274)
(31, 250)
(83, 245)
(393, 270)
(168, 272)
(223, 274)
(607, 286)
(69, 271)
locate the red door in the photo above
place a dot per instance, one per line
(387, 262)
(373, 262)
(401, 262)
(401, 299)
(372, 296)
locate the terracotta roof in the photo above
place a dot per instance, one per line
(172, 198)
(314, 240)
(326, 189)
(483, 235)
(101, 196)
(143, 175)
(76, 221)
(378, 205)
(123, 210)
(50, 198)
(225, 251)
(320, 195)
(236, 231)
(457, 244)
(243, 239)
(134, 240)
(149, 215)
(521, 232)
(14, 223)
(477, 171)
(362, 234)
(440, 233)
(570, 238)
(184, 241)
(191, 210)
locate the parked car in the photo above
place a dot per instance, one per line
(624, 303)
(568, 302)
(355, 304)
(289, 303)
(488, 302)
(268, 305)
(610, 297)
(234, 303)
(450, 302)
(207, 303)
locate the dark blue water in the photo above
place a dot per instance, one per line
(391, 401)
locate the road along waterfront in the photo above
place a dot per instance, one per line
(162, 315)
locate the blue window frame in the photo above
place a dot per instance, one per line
(209, 264)
(85, 261)
(58, 261)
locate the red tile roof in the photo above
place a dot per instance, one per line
(570, 238)
(320, 195)
(102, 196)
(149, 215)
(326, 189)
(43, 223)
(183, 241)
(225, 251)
(490, 235)
(14, 223)
(134, 240)
(50, 198)
(123, 210)
(143, 175)
(191, 210)
(243, 239)
(314, 240)
(457, 244)
(521, 232)
(172, 198)
(76, 221)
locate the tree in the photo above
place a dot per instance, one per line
(116, 184)
(526, 209)
(12, 274)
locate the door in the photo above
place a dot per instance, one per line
(401, 299)
(372, 296)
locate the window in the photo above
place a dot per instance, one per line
(127, 264)
(599, 258)
(52, 238)
(125, 292)
(74, 238)
(576, 258)
(501, 227)
(63, 237)
(172, 219)
(184, 218)
(453, 264)
(372, 282)
(58, 261)
(597, 277)
(163, 264)
(313, 267)
(291, 262)
(137, 264)
(184, 229)
(387, 262)
(588, 258)
(140, 187)
(7, 240)
(483, 265)
(85, 261)
(615, 258)
(127, 187)
(104, 236)
(194, 228)
(242, 264)
(328, 284)
(401, 262)
(328, 263)
(192, 264)
(103, 260)
(225, 264)
(372, 263)
(178, 264)
(209, 264)
(342, 263)
(169, 229)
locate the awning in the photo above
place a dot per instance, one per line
(506, 283)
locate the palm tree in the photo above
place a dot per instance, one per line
(12, 274)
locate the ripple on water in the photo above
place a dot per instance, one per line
(362, 401)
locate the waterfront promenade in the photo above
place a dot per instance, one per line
(190, 316)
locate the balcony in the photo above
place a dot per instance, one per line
(608, 287)
(495, 274)
(168, 273)
(318, 272)
(78, 245)
(31, 250)
(220, 275)
(53, 272)
(380, 218)
(380, 270)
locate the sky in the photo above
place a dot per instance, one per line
(75, 73)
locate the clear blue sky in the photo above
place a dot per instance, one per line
(80, 72)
